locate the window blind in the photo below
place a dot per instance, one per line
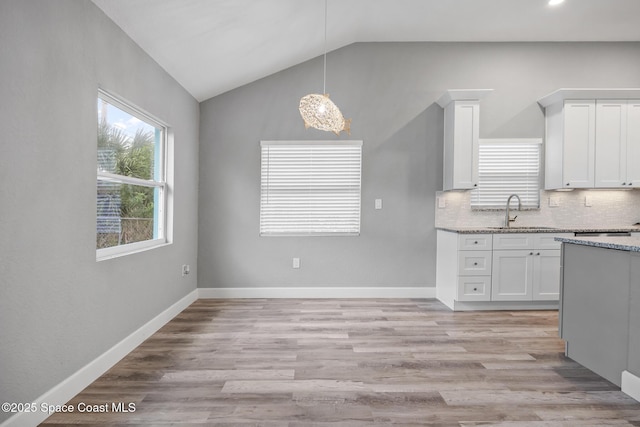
(505, 167)
(310, 187)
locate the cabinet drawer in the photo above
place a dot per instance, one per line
(508, 241)
(547, 240)
(474, 288)
(474, 263)
(474, 242)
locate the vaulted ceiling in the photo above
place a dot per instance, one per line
(212, 46)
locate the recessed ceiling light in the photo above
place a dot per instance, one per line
(555, 2)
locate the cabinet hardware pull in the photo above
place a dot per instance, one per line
(475, 289)
(568, 183)
(475, 263)
(538, 253)
(624, 183)
(475, 243)
(530, 253)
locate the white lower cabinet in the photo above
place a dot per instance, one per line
(512, 275)
(546, 278)
(522, 275)
(463, 270)
(497, 267)
(474, 267)
(529, 270)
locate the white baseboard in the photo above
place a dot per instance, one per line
(502, 305)
(67, 389)
(631, 385)
(319, 292)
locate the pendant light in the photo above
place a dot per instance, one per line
(317, 110)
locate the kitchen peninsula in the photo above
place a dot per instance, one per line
(600, 306)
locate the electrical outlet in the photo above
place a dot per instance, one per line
(296, 263)
(442, 202)
(554, 202)
(186, 269)
(587, 201)
(378, 204)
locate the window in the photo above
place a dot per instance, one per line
(505, 167)
(310, 188)
(131, 186)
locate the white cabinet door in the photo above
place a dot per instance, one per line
(512, 275)
(546, 275)
(461, 136)
(611, 143)
(633, 144)
(578, 144)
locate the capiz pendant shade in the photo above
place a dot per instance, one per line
(319, 112)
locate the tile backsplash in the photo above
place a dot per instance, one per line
(578, 208)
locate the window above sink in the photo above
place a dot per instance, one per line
(507, 166)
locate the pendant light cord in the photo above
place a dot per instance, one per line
(324, 81)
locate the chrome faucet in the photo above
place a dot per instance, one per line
(507, 219)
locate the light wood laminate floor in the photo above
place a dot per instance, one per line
(353, 362)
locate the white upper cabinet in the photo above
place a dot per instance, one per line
(618, 144)
(578, 151)
(633, 144)
(570, 145)
(592, 138)
(461, 136)
(611, 148)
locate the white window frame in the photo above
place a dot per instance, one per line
(160, 183)
(277, 210)
(493, 195)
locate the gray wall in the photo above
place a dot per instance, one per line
(59, 308)
(389, 90)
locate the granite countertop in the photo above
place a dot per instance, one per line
(539, 229)
(622, 243)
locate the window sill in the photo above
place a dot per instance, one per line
(132, 248)
(319, 234)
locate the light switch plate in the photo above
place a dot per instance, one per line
(554, 202)
(296, 263)
(442, 202)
